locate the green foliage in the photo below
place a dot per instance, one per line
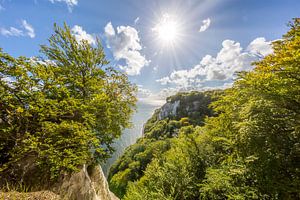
(131, 165)
(158, 137)
(194, 105)
(174, 175)
(227, 182)
(10, 187)
(184, 121)
(261, 118)
(60, 111)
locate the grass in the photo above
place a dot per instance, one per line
(20, 191)
(40, 195)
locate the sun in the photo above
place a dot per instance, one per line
(167, 30)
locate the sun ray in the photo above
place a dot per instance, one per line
(167, 30)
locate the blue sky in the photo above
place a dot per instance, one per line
(133, 32)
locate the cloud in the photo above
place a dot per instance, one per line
(70, 3)
(136, 20)
(29, 29)
(146, 96)
(125, 45)
(222, 68)
(25, 30)
(205, 25)
(142, 92)
(12, 31)
(81, 34)
(260, 46)
(37, 61)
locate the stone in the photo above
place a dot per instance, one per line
(87, 184)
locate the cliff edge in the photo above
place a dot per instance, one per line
(87, 184)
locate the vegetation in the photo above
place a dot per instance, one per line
(59, 111)
(159, 136)
(41, 195)
(249, 151)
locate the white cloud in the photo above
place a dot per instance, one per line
(25, 30)
(81, 34)
(205, 25)
(37, 61)
(142, 92)
(70, 3)
(125, 45)
(260, 46)
(29, 29)
(146, 96)
(229, 60)
(136, 20)
(12, 31)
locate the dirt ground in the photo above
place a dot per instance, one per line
(41, 195)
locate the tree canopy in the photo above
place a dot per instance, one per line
(60, 110)
(159, 136)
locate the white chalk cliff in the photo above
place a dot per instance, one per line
(87, 184)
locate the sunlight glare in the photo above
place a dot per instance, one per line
(167, 30)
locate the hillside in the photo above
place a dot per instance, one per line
(183, 109)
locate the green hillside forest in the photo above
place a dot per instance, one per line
(241, 143)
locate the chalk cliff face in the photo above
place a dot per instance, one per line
(193, 105)
(169, 109)
(87, 184)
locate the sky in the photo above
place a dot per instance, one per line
(164, 46)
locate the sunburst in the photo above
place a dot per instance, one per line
(167, 30)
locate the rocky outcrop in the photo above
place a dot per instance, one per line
(87, 184)
(168, 109)
(192, 105)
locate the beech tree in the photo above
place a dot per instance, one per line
(61, 110)
(262, 109)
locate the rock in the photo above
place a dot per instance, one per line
(168, 109)
(193, 105)
(87, 184)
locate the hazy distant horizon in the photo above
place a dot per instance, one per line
(129, 136)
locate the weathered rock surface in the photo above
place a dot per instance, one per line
(193, 105)
(168, 109)
(87, 184)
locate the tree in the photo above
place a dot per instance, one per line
(175, 174)
(61, 110)
(262, 109)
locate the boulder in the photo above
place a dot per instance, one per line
(87, 184)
